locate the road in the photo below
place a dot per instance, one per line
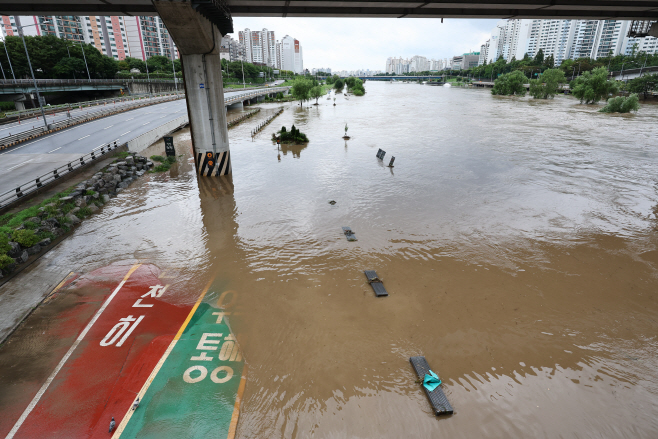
(29, 160)
(35, 122)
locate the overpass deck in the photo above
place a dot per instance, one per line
(591, 9)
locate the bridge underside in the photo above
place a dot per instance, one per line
(562, 9)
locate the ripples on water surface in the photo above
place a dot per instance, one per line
(516, 238)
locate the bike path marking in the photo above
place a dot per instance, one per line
(196, 388)
(63, 361)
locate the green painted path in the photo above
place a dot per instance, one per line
(194, 393)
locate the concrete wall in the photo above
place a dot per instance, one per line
(147, 139)
(155, 87)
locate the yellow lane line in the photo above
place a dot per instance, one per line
(154, 372)
(233, 426)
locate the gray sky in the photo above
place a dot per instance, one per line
(365, 43)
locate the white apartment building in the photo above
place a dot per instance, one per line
(261, 47)
(291, 55)
(563, 39)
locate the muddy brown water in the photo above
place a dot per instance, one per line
(516, 238)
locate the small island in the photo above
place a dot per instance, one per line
(292, 136)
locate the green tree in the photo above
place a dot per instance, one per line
(316, 93)
(350, 82)
(339, 84)
(547, 85)
(510, 84)
(301, 89)
(549, 61)
(123, 65)
(358, 89)
(621, 104)
(644, 84)
(539, 57)
(591, 87)
(135, 63)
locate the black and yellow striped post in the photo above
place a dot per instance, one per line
(212, 164)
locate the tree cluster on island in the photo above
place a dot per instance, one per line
(292, 136)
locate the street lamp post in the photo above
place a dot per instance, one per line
(36, 88)
(244, 85)
(10, 66)
(173, 68)
(69, 52)
(85, 58)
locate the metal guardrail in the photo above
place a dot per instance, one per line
(26, 135)
(23, 190)
(48, 108)
(253, 94)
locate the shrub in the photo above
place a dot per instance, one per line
(66, 208)
(30, 225)
(510, 84)
(123, 154)
(4, 244)
(593, 86)
(5, 261)
(165, 165)
(292, 136)
(621, 104)
(25, 237)
(44, 235)
(6, 230)
(84, 212)
(546, 86)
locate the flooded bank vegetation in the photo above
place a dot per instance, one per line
(510, 84)
(547, 85)
(292, 136)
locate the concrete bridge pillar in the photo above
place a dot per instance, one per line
(198, 41)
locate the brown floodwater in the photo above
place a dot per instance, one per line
(516, 238)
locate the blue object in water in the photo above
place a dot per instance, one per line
(431, 381)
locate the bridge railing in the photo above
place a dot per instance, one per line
(235, 98)
(25, 189)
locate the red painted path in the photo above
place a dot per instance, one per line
(111, 361)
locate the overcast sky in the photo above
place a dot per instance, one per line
(365, 43)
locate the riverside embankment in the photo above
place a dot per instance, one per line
(516, 239)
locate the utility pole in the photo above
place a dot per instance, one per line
(10, 66)
(69, 52)
(173, 68)
(85, 58)
(244, 85)
(36, 88)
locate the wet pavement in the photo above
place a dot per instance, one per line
(516, 239)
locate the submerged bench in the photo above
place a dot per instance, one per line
(376, 283)
(438, 400)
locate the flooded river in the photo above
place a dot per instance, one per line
(516, 238)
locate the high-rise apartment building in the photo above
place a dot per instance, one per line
(232, 50)
(118, 37)
(562, 39)
(291, 55)
(261, 47)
